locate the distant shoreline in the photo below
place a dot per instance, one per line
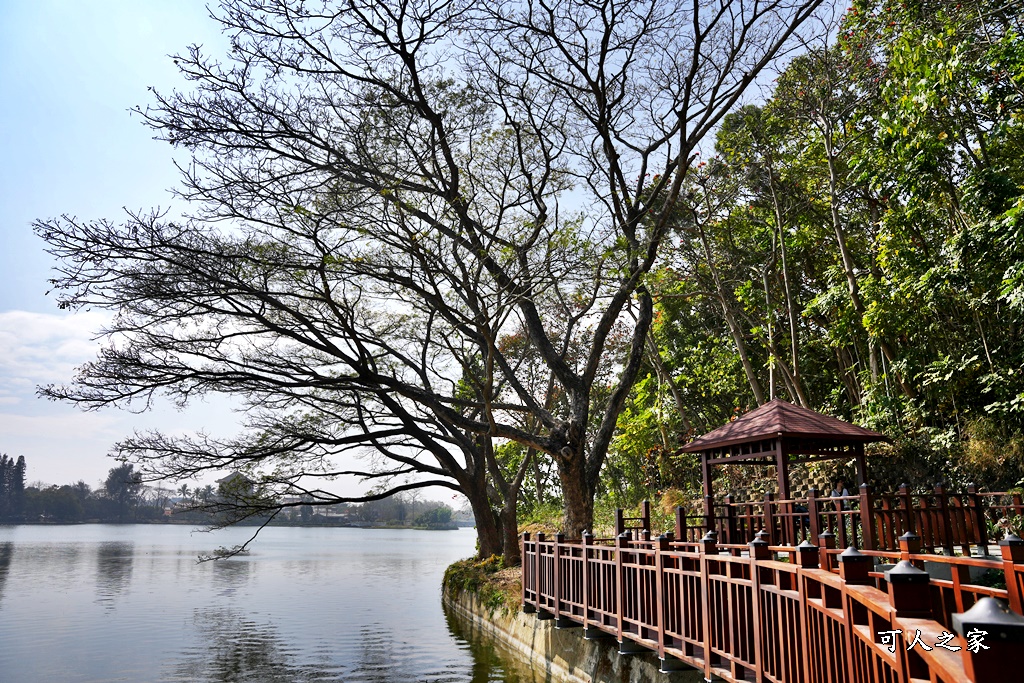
(177, 522)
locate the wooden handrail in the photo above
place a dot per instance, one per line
(741, 613)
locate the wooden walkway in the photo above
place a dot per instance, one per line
(809, 613)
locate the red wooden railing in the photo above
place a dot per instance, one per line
(951, 522)
(786, 614)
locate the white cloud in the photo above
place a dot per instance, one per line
(40, 348)
(62, 425)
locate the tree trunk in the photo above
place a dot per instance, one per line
(730, 319)
(794, 336)
(487, 532)
(510, 532)
(577, 498)
(659, 367)
(538, 478)
(852, 286)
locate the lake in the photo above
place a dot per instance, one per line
(92, 603)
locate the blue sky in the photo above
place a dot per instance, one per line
(69, 73)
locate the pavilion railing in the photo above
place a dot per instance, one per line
(787, 614)
(947, 521)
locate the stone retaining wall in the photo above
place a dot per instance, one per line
(557, 655)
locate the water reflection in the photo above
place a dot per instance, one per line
(492, 662)
(114, 561)
(6, 553)
(97, 603)
(235, 648)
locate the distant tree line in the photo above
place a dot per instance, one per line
(404, 510)
(124, 497)
(121, 497)
(12, 487)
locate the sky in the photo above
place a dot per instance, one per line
(70, 71)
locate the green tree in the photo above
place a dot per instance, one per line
(16, 489)
(437, 518)
(123, 485)
(6, 474)
(859, 232)
(53, 504)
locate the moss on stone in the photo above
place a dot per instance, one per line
(496, 586)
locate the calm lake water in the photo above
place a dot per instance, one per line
(130, 603)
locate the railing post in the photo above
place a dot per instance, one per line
(908, 508)
(708, 549)
(826, 542)
(855, 567)
(942, 503)
(926, 521)
(769, 524)
(807, 555)
(1012, 550)
(661, 547)
(620, 523)
(910, 544)
(527, 607)
(978, 519)
(1001, 633)
(557, 571)
(587, 541)
(867, 517)
(680, 523)
(759, 549)
(909, 591)
(762, 536)
(645, 515)
(855, 570)
(621, 544)
(709, 543)
(758, 552)
(814, 530)
(542, 613)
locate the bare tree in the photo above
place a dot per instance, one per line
(402, 186)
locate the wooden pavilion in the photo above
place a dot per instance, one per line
(780, 433)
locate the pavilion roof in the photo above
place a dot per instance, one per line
(782, 418)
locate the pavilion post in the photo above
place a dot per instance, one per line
(709, 499)
(861, 465)
(782, 467)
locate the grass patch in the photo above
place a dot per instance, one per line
(496, 586)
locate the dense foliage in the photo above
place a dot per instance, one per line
(855, 245)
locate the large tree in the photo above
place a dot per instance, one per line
(403, 213)
(123, 486)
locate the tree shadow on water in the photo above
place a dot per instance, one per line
(114, 561)
(6, 553)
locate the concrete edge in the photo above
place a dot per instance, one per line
(559, 655)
